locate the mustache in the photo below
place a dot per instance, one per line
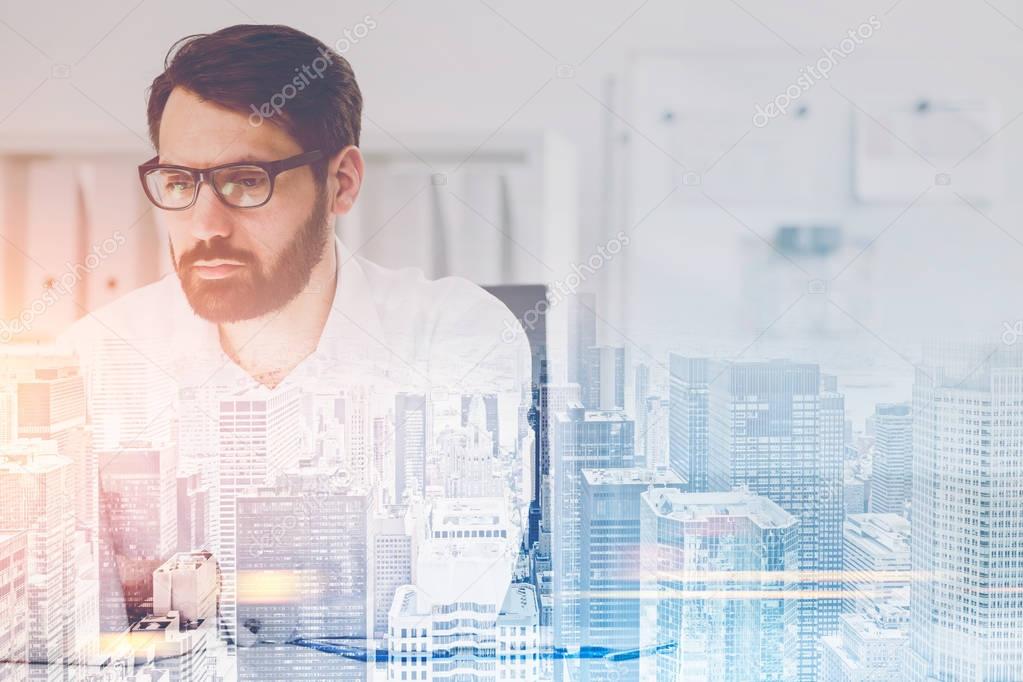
(214, 250)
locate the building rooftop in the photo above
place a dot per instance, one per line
(33, 456)
(577, 413)
(868, 629)
(631, 475)
(154, 623)
(892, 409)
(475, 549)
(674, 504)
(408, 602)
(185, 560)
(605, 416)
(519, 601)
(878, 533)
(459, 513)
(9, 534)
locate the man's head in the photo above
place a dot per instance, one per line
(256, 93)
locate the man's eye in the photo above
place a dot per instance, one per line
(178, 186)
(243, 180)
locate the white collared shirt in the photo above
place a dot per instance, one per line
(384, 325)
(390, 330)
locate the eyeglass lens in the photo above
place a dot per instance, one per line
(241, 186)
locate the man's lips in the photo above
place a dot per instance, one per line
(216, 269)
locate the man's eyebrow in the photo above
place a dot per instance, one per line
(244, 158)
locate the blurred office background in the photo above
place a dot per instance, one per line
(508, 142)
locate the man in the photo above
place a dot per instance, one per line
(256, 130)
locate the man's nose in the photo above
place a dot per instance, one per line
(209, 216)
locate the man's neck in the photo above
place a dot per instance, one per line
(270, 346)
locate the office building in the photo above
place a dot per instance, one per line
(187, 583)
(412, 431)
(718, 574)
(777, 429)
(603, 380)
(892, 470)
(302, 563)
(259, 439)
(37, 497)
(14, 603)
(687, 419)
(392, 565)
(464, 617)
(583, 439)
(967, 503)
(137, 530)
(610, 547)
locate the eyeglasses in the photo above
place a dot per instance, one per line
(244, 184)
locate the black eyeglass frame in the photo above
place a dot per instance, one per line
(271, 168)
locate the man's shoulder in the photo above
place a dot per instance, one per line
(408, 294)
(466, 334)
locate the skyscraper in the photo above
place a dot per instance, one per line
(610, 556)
(13, 604)
(877, 569)
(775, 432)
(392, 565)
(655, 437)
(717, 572)
(51, 405)
(259, 440)
(892, 475)
(453, 622)
(37, 496)
(193, 509)
(131, 397)
(474, 638)
(411, 438)
(187, 583)
(863, 650)
(137, 529)
(603, 380)
(198, 440)
(641, 391)
(687, 419)
(358, 432)
(468, 467)
(302, 575)
(967, 503)
(488, 402)
(583, 439)
(553, 399)
(582, 334)
(873, 629)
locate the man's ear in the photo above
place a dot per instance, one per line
(345, 169)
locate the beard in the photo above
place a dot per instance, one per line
(255, 289)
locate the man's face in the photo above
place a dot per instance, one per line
(240, 263)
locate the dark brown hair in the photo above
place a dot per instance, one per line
(247, 68)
